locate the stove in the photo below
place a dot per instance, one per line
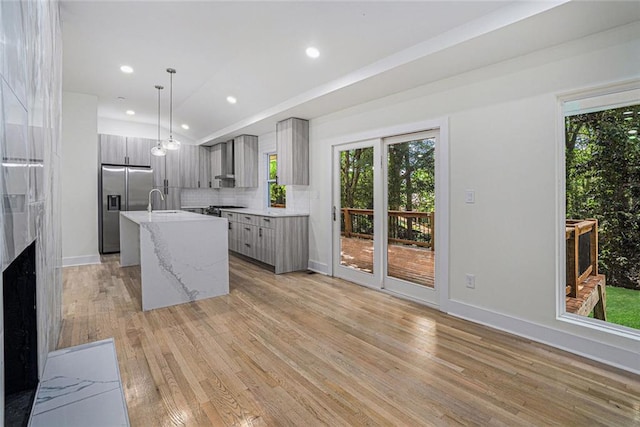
(216, 210)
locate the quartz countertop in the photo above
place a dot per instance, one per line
(261, 212)
(141, 217)
(81, 386)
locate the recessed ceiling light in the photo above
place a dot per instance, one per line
(312, 52)
(231, 99)
(131, 112)
(126, 69)
(184, 126)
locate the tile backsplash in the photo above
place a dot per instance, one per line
(254, 198)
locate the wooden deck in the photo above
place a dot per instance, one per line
(410, 263)
(591, 296)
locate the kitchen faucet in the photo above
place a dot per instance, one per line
(149, 208)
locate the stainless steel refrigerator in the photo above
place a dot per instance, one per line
(122, 188)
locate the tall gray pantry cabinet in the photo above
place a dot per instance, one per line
(166, 178)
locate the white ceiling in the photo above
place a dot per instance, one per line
(255, 52)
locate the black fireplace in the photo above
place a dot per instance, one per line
(20, 337)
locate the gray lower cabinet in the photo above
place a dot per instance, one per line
(282, 242)
(266, 249)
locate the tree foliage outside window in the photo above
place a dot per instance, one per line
(411, 185)
(411, 176)
(277, 193)
(603, 182)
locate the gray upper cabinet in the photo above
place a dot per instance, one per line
(292, 147)
(246, 160)
(189, 166)
(172, 167)
(113, 149)
(158, 166)
(139, 151)
(204, 174)
(216, 165)
(120, 150)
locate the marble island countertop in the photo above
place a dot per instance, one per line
(142, 217)
(265, 212)
(183, 256)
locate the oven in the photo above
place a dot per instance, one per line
(216, 210)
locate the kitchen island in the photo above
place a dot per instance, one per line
(183, 256)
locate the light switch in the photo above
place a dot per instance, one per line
(469, 196)
(470, 280)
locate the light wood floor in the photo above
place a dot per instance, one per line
(305, 350)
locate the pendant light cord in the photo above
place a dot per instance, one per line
(159, 89)
(171, 72)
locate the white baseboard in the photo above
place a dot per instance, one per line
(589, 348)
(80, 260)
(319, 267)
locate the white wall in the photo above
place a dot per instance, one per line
(138, 130)
(79, 179)
(503, 123)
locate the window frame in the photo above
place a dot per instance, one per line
(270, 182)
(584, 100)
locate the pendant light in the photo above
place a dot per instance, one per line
(171, 144)
(158, 149)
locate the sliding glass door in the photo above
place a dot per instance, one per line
(384, 214)
(409, 203)
(355, 232)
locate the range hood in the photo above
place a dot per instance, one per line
(227, 161)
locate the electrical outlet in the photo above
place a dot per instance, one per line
(469, 196)
(471, 281)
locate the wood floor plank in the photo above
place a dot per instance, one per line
(305, 349)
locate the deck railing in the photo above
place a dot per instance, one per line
(582, 252)
(405, 227)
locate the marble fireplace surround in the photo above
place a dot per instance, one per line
(30, 129)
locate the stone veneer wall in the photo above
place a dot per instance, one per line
(30, 123)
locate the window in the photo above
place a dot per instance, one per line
(276, 194)
(602, 167)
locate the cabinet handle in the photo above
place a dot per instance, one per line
(229, 226)
(247, 228)
(266, 219)
(260, 232)
(209, 184)
(248, 218)
(247, 245)
(198, 184)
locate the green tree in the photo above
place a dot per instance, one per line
(603, 182)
